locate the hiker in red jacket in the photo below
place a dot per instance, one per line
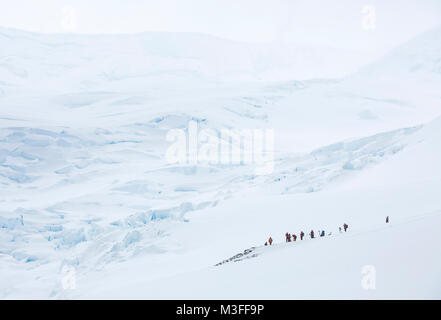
(270, 240)
(302, 234)
(294, 237)
(345, 226)
(287, 237)
(312, 234)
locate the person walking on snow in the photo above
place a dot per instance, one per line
(312, 234)
(302, 234)
(345, 226)
(270, 240)
(294, 237)
(387, 219)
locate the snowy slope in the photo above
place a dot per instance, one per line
(150, 247)
(84, 182)
(403, 252)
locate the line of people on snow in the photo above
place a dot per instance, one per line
(293, 237)
(322, 233)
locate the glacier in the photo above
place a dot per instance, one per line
(84, 182)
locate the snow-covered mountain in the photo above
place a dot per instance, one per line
(419, 58)
(134, 62)
(400, 90)
(84, 182)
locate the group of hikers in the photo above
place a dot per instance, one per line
(321, 233)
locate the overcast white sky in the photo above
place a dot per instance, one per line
(332, 22)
